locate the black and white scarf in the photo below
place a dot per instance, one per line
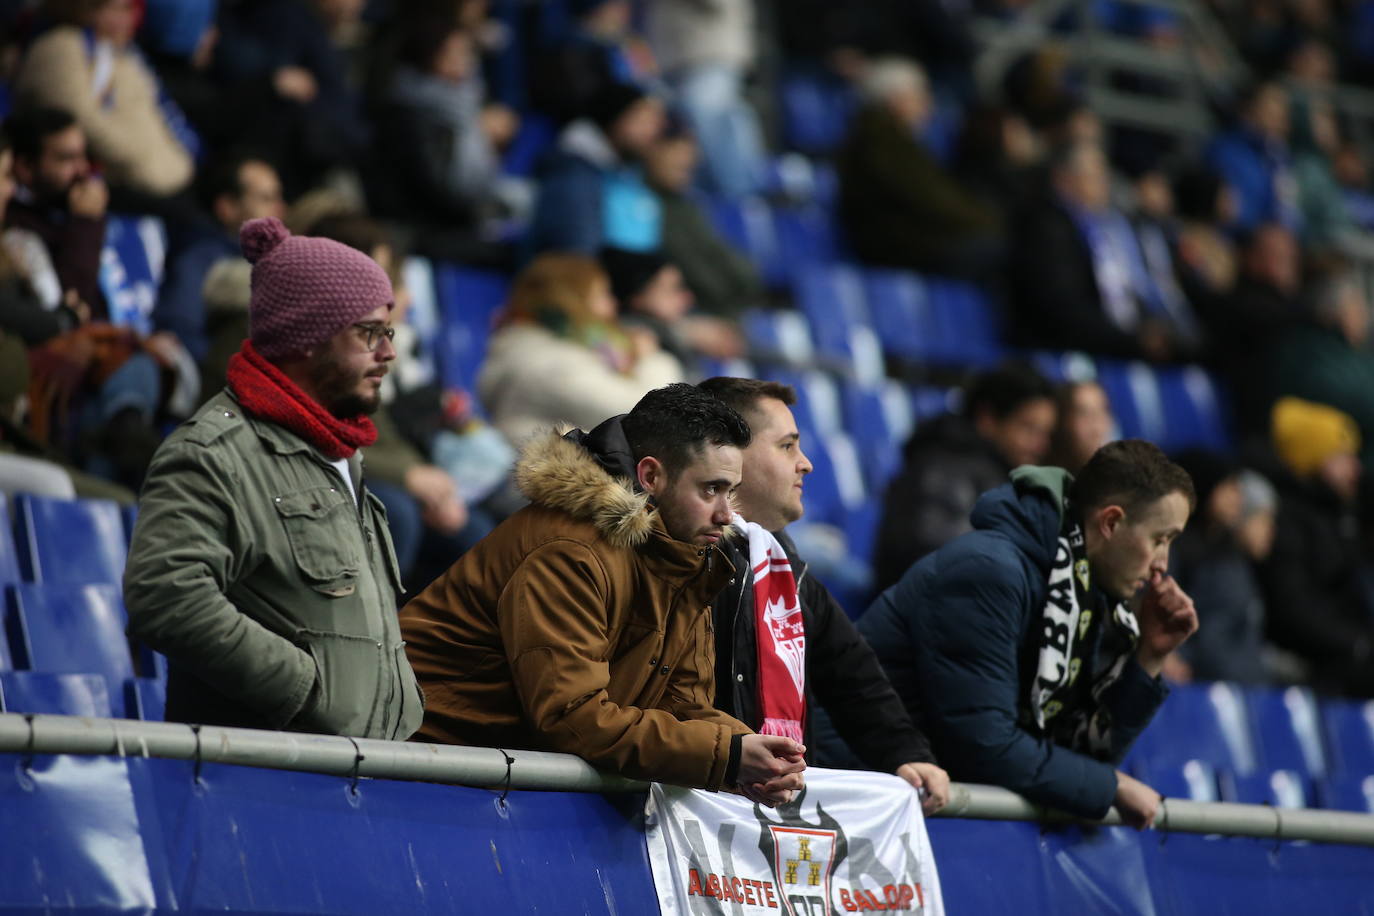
(1063, 705)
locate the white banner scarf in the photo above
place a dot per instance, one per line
(852, 842)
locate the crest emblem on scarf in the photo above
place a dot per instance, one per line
(789, 637)
(1080, 569)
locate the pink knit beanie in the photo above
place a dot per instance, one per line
(305, 290)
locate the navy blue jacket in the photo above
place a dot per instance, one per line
(957, 638)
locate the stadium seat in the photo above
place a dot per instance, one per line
(882, 429)
(732, 368)
(833, 299)
(9, 553)
(1194, 780)
(1279, 788)
(1133, 390)
(145, 699)
(70, 541)
(967, 329)
(44, 693)
(899, 304)
(468, 302)
(535, 137)
(748, 223)
(1349, 727)
(1066, 366)
(1194, 410)
(72, 629)
(778, 337)
(1207, 722)
(1288, 729)
(1348, 793)
(805, 235)
(816, 108)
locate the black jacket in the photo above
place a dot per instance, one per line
(842, 673)
(927, 505)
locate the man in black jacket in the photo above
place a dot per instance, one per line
(841, 673)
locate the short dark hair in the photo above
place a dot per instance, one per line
(1003, 390)
(742, 395)
(30, 127)
(1132, 474)
(675, 422)
(226, 175)
(356, 230)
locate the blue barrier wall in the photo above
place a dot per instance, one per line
(110, 835)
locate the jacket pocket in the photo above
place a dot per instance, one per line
(317, 525)
(350, 676)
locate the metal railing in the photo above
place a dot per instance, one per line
(494, 767)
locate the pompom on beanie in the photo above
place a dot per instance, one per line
(305, 290)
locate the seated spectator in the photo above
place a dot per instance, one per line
(997, 158)
(601, 51)
(1081, 277)
(1315, 579)
(1246, 327)
(582, 623)
(1327, 358)
(241, 188)
(30, 318)
(724, 282)
(898, 205)
(705, 52)
(442, 159)
(97, 388)
(1156, 225)
(1006, 421)
(1016, 647)
(1206, 253)
(1255, 160)
(261, 564)
(59, 200)
(1084, 424)
(88, 66)
(1215, 560)
(313, 120)
(839, 672)
(561, 356)
(653, 296)
(593, 194)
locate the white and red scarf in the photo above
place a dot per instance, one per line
(780, 634)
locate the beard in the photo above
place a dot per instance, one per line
(337, 388)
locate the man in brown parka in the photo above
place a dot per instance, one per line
(582, 624)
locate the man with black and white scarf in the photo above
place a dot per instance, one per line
(1029, 650)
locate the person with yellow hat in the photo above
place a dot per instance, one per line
(1319, 604)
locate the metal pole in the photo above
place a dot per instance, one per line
(493, 767)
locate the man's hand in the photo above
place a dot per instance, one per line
(295, 83)
(435, 491)
(931, 778)
(88, 198)
(770, 768)
(1136, 802)
(1167, 617)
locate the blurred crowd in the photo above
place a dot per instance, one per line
(574, 145)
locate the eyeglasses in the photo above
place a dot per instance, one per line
(373, 334)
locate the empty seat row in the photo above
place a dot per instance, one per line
(1197, 780)
(66, 541)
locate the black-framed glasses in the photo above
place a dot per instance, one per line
(373, 334)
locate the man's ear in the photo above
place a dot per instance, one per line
(651, 475)
(1109, 519)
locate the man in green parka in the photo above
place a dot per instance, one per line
(261, 565)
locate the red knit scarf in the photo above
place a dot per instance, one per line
(266, 392)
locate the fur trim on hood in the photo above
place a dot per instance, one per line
(558, 474)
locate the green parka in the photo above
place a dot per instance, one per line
(272, 593)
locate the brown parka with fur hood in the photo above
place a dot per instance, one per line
(578, 625)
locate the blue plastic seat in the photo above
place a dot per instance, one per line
(1207, 722)
(1288, 729)
(468, 302)
(44, 693)
(1279, 788)
(1350, 735)
(871, 421)
(1348, 793)
(833, 298)
(1064, 366)
(1194, 780)
(902, 313)
(70, 541)
(805, 235)
(778, 337)
(1133, 389)
(1195, 408)
(748, 223)
(9, 552)
(816, 109)
(73, 629)
(146, 699)
(968, 324)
